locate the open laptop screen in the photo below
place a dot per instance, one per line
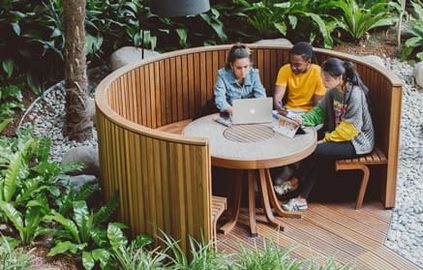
(252, 110)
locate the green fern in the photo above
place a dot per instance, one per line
(69, 226)
(43, 149)
(107, 210)
(11, 177)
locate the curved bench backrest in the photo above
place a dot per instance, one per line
(152, 168)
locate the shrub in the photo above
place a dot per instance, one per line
(356, 18)
(11, 259)
(10, 100)
(413, 46)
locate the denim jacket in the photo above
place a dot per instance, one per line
(227, 88)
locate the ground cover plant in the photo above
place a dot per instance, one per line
(414, 44)
(355, 18)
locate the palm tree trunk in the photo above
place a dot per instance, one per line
(78, 125)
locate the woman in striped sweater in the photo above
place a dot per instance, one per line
(344, 111)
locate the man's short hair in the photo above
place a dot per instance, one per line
(304, 49)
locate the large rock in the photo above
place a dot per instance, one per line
(77, 181)
(129, 54)
(373, 59)
(418, 73)
(90, 108)
(276, 41)
(85, 154)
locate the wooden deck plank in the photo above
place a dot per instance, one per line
(360, 216)
(350, 223)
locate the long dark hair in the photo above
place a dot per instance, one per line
(238, 51)
(336, 67)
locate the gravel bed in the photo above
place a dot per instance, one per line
(406, 231)
(405, 235)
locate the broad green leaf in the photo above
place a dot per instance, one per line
(142, 240)
(80, 212)
(4, 123)
(281, 27)
(16, 28)
(182, 35)
(412, 42)
(116, 238)
(87, 260)
(63, 247)
(35, 86)
(67, 224)
(101, 255)
(8, 65)
(107, 210)
(13, 171)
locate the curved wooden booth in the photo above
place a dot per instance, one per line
(164, 179)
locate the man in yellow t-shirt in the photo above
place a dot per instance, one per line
(302, 82)
(300, 79)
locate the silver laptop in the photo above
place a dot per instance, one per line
(252, 111)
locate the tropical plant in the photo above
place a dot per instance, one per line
(202, 256)
(284, 17)
(356, 18)
(28, 183)
(128, 256)
(414, 44)
(84, 231)
(10, 100)
(31, 42)
(11, 259)
(271, 257)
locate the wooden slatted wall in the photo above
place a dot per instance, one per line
(160, 176)
(164, 183)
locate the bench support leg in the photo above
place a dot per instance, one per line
(364, 179)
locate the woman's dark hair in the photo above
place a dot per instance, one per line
(238, 51)
(336, 67)
(304, 49)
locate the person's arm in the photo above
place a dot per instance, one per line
(281, 85)
(314, 117)
(220, 95)
(316, 99)
(351, 122)
(258, 89)
(345, 131)
(278, 96)
(319, 91)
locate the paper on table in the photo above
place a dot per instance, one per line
(286, 126)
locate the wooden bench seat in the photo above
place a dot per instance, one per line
(219, 205)
(377, 157)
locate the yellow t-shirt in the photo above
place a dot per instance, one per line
(301, 87)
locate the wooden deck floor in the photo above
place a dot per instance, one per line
(326, 230)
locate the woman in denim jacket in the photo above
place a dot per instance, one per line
(237, 79)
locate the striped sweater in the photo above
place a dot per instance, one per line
(346, 117)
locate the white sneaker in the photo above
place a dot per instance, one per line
(295, 204)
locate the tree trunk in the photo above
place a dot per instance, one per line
(78, 124)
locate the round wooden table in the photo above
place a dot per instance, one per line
(255, 148)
